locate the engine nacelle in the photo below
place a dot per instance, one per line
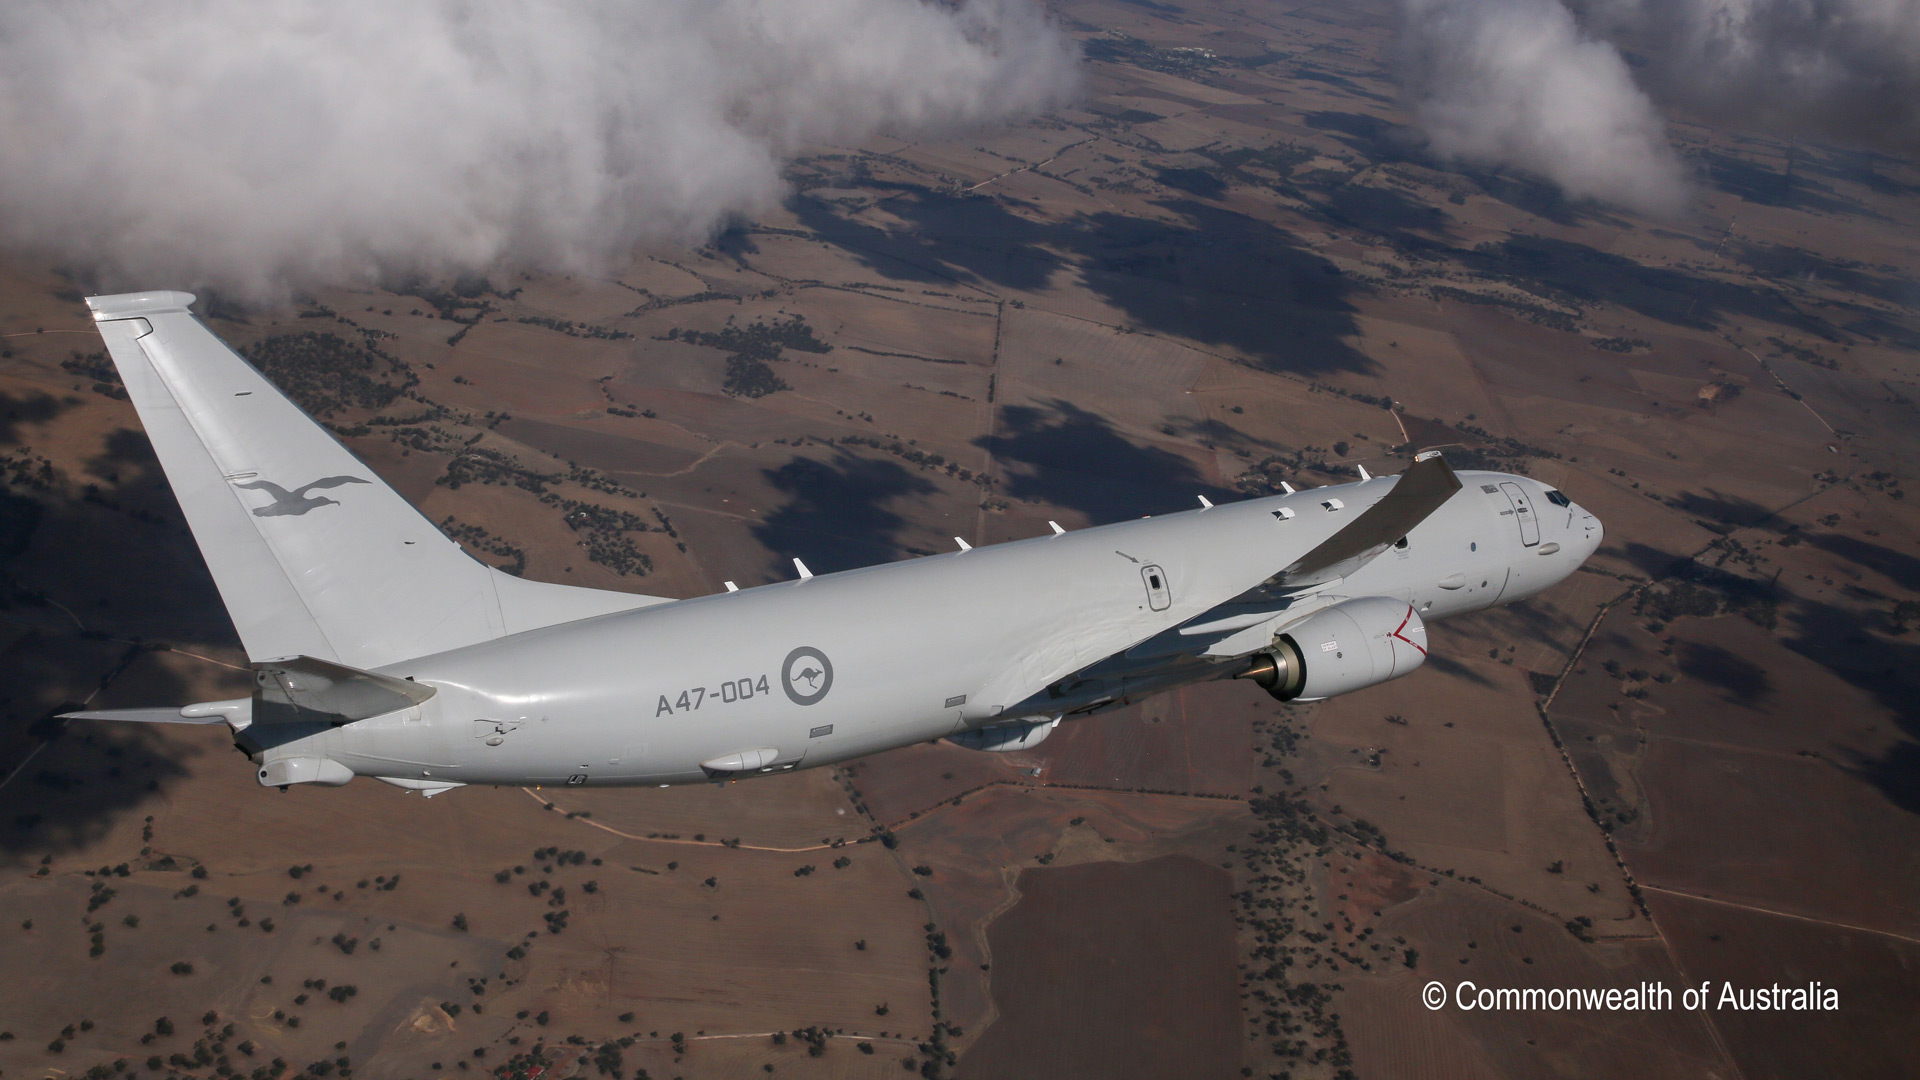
(1351, 645)
(1002, 738)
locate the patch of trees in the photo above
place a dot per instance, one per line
(911, 454)
(603, 528)
(574, 329)
(1783, 347)
(1621, 344)
(23, 468)
(1115, 47)
(1689, 588)
(1246, 164)
(655, 303)
(753, 346)
(325, 373)
(96, 366)
(1539, 314)
(476, 537)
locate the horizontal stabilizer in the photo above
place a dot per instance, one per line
(1426, 485)
(306, 689)
(165, 714)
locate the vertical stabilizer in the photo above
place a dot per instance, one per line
(313, 553)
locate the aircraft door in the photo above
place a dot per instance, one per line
(1523, 513)
(1159, 596)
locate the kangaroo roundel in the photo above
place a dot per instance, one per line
(807, 675)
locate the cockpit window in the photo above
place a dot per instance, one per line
(1558, 499)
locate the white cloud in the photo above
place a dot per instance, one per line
(1847, 70)
(1517, 83)
(257, 146)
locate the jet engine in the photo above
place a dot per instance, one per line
(1351, 645)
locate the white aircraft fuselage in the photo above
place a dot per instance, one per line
(380, 648)
(916, 650)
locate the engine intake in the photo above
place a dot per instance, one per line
(1349, 646)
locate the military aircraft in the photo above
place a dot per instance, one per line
(380, 648)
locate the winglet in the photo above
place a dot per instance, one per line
(805, 574)
(731, 587)
(1364, 474)
(964, 546)
(1206, 503)
(136, 305)
(1057, 530)
(1286, 487)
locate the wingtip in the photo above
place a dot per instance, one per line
(114, 306)
(1432, 464)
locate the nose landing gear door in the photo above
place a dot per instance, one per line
(1522, 513)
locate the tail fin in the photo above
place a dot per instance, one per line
(313, 553)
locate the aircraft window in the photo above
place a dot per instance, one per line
(1558, 499)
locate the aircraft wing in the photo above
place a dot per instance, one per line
(313, 554)
(1426, 484)
(1241, 624)
(1423, 488)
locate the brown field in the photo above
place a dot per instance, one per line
(1706, 743)
(1197, 739)
(1464, 934)
(649, 937)
(973, 851)
(1073, 1005)
(1870, 1034)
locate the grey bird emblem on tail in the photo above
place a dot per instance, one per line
(296, 502)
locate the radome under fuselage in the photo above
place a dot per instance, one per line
(823, 669)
